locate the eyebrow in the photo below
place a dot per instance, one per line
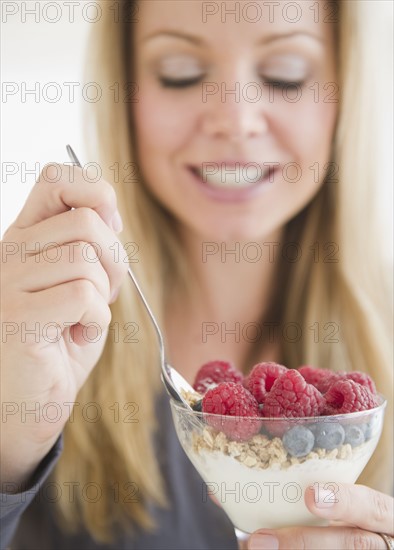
(175, 34)
(282, 36)
(200, 42)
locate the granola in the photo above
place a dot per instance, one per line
(260, 451)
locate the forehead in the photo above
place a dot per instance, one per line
(227, 22)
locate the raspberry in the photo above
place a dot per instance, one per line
(214, 372)
(291, 396)
(260, 380)
(232, 403)
(347, 396)
(361, 378)
(322, 379)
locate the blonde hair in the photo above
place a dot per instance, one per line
(353, 292)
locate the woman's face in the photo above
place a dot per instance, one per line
(236, 109)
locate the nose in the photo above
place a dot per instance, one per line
(234, 111)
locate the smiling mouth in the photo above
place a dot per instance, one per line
(238, 176)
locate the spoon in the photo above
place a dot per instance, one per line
(174, 383)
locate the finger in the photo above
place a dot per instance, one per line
(68, 229)
(80, 304)
(323, 538)
(40, 271)
(353, 504)
(79, 336)
(60, 188)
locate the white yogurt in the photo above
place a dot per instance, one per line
(254, 498)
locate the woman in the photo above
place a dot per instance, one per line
(195, 95)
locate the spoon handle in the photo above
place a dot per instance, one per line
(153, 318)
(74, 160)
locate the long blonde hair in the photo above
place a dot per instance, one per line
(116, 452)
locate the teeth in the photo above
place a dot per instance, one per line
(234, 178)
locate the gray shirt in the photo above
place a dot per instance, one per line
(191, 522)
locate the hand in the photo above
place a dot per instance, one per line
(55, 283)
(357, 516)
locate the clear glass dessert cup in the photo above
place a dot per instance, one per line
(258, 468)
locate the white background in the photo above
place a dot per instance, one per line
(34, 130)
(36, 52)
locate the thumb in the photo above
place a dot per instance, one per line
(263, 540)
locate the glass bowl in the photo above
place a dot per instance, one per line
(258, 468)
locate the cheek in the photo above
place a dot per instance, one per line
(163, 126)
(306, 129)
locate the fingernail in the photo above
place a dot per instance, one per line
(324, 498)
(263, 542)
(117, 224)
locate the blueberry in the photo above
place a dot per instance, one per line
(197, 406)
(329, 435)
(354, 435)
(371, 427)
(314, 428)
(298, 441)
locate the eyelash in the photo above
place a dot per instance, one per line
(285, 84)
(186, 83)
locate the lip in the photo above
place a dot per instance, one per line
(220, 194)
(230, 163)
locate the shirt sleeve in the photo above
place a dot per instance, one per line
(12, 506)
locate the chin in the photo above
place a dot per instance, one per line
(234, 231)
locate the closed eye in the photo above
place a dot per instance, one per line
(284, 84)
(179, 83)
